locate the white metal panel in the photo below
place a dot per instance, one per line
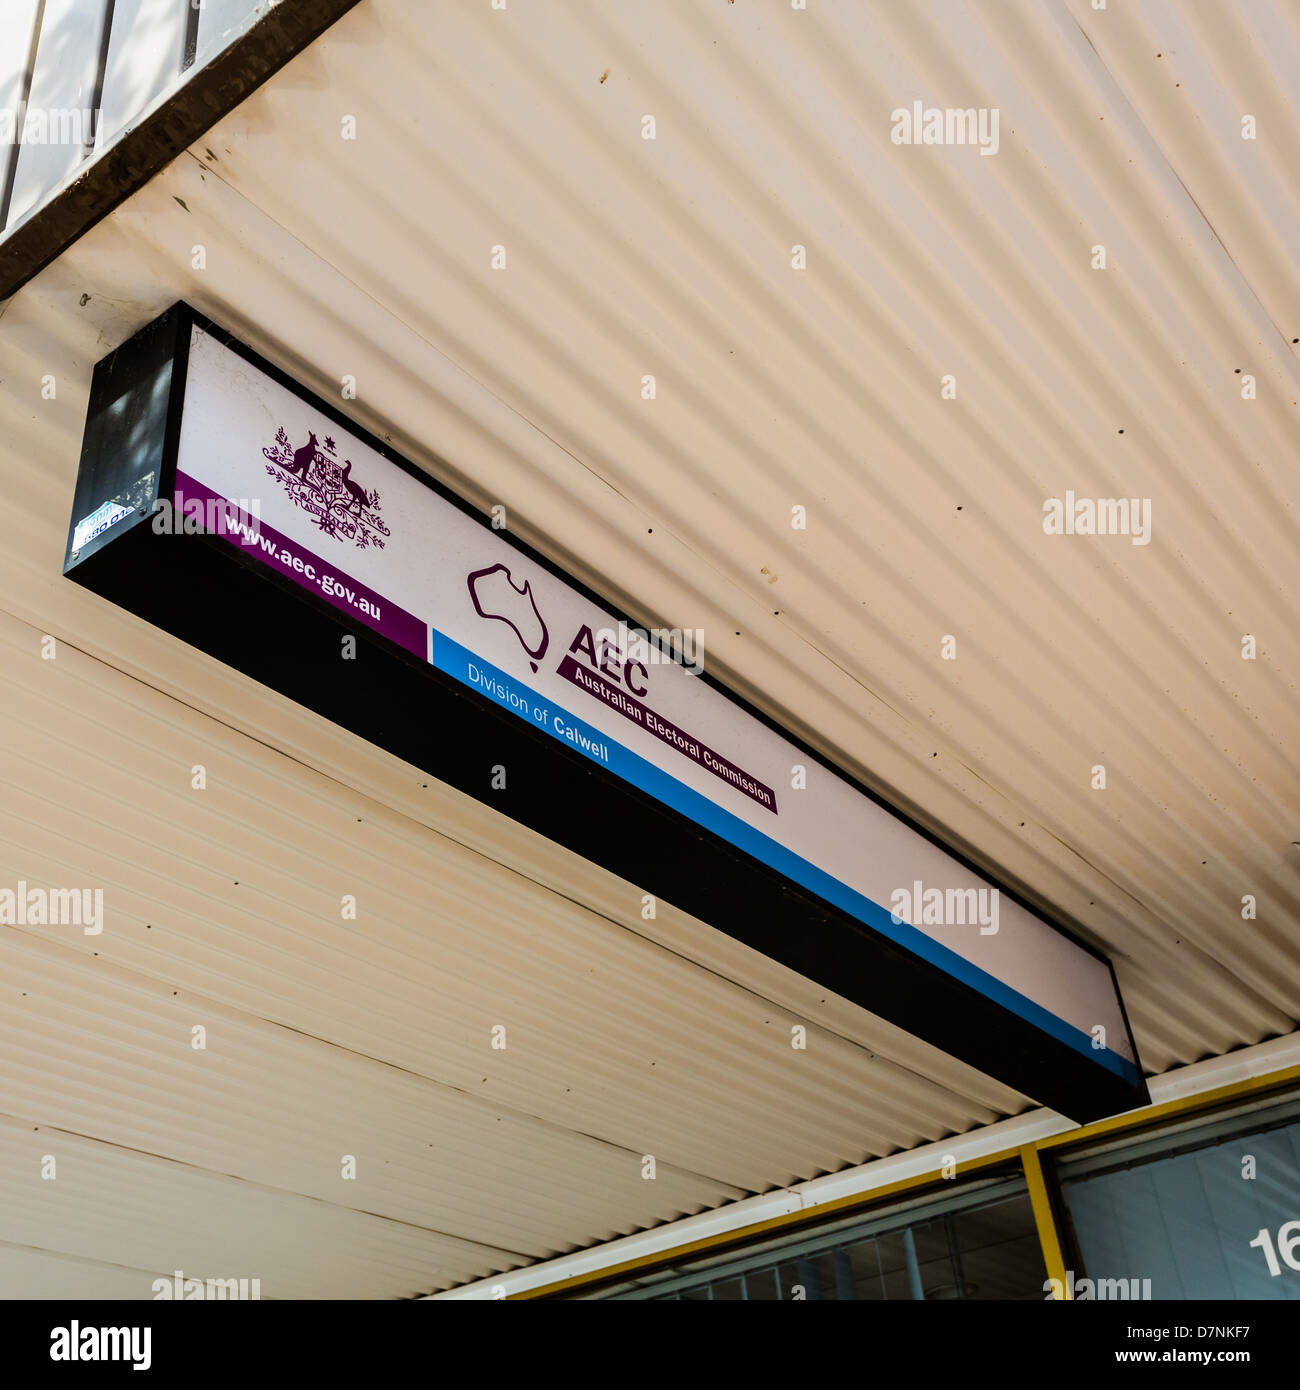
(112, 1206)
(60, 103)
(16, 35)
(15, 50)
(145, 50)
(220, 21)
(35, 1274)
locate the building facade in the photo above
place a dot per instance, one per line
(927, 374)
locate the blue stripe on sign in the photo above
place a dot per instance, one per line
(456, 661)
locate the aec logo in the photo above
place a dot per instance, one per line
(496, 595)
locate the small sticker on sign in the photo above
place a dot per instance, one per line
(97, 523)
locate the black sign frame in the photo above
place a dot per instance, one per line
(287, 640)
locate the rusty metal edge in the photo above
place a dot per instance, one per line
(131, 161)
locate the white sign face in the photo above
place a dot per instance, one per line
(318, 505)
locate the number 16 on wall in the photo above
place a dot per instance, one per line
(1288, 1238)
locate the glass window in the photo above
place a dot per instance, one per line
(1206, 1213)
(977, 1243)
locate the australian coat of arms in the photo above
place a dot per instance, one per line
(321, 486)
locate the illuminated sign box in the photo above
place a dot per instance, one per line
(225, 503)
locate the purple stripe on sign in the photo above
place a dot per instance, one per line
(222, 517)
(667, 731)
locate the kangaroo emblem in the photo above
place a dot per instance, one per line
(303, 458)
(326, 490)
(355, 490)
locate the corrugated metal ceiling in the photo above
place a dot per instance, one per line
(672, 257)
